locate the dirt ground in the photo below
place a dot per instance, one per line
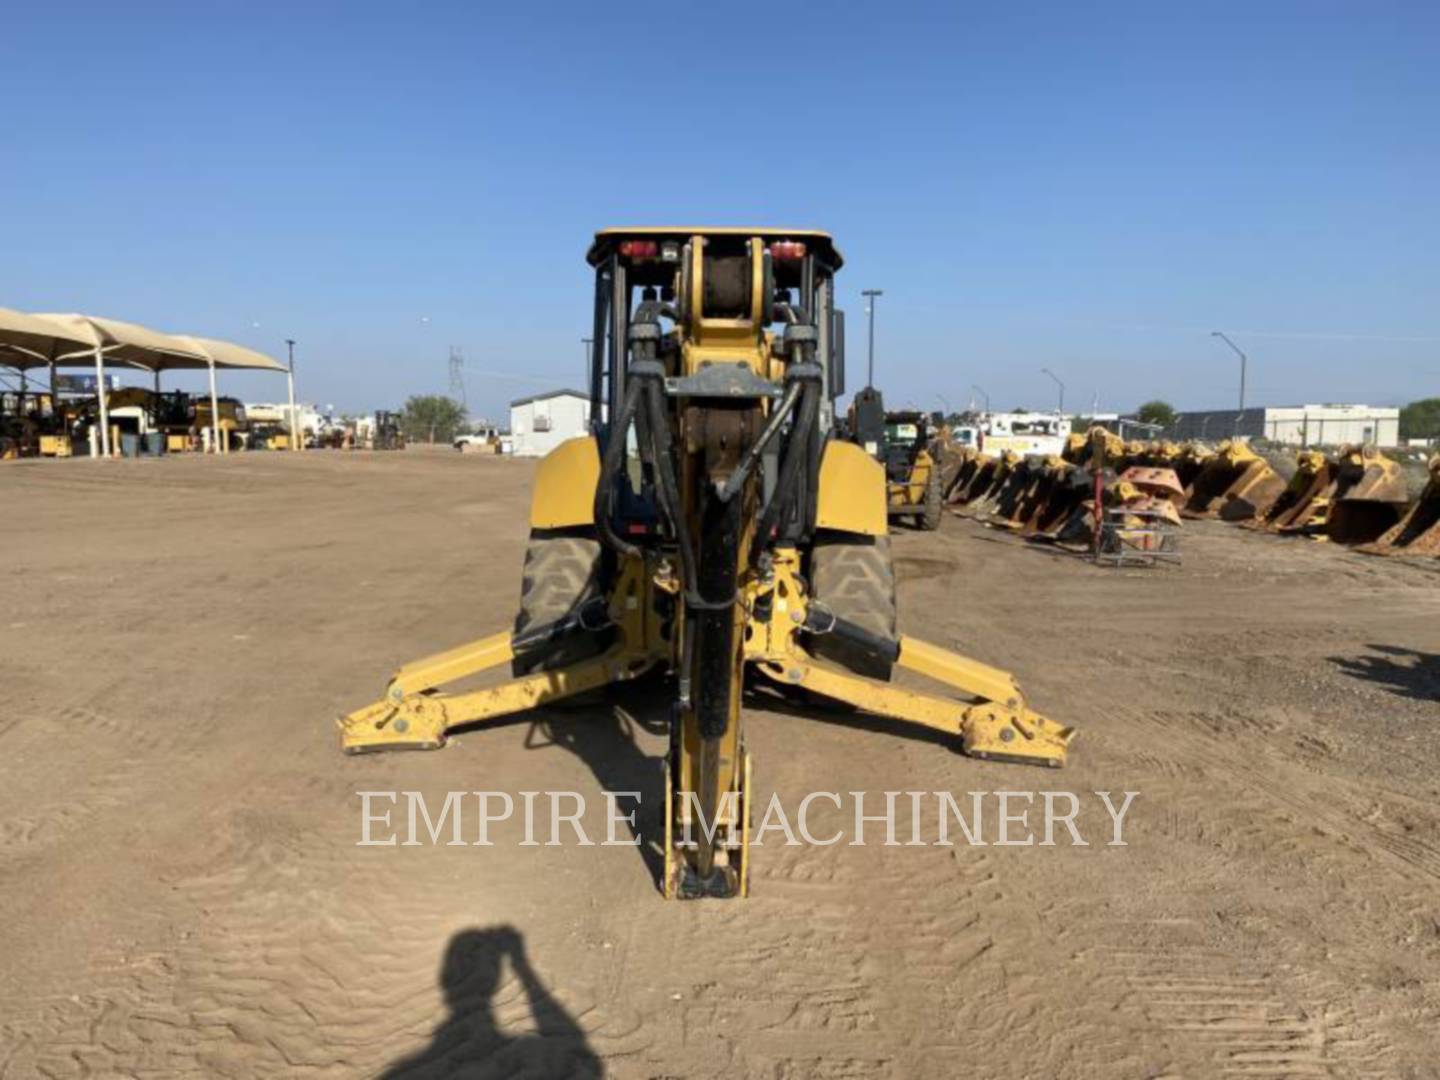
(182, 894)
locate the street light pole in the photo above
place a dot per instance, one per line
(1058, 383)
(1239, 353)
(296, 438)
(983, 394)
(870, 295)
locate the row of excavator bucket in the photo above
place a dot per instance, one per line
(1356, 496)
(1418, 532)
(1234, 484)
(1052, 497)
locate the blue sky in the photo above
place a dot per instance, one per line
(1090, 188)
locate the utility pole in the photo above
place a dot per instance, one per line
(870, 295)
(457, 376)
(983, 394)
(1061, 385)
(1241, 413)
(297, 438)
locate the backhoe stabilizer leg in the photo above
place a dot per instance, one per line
(998, 726)
(420, 721)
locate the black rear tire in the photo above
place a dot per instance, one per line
(562, 573)
(934, 502)
(853, 577)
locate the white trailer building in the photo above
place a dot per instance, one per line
(1295, 425)
(312, 420)
(540, 423)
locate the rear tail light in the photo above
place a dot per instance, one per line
(787, 250)
(639, 249)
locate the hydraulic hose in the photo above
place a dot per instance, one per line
(610, 465)
(668, 489)
(795, 452)
(767, 436)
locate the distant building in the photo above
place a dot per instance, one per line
(1294, 425)
(540, 423)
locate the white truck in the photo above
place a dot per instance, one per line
(1023, 433)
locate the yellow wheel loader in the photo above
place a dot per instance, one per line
(913, 489)
(710, 527)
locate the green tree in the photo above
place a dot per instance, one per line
(431, 417)
(1421, 419)
(1156, 412)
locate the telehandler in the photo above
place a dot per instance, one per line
(708, 526)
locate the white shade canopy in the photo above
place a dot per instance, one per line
(30, 341)
(227, 354)
(130, 343)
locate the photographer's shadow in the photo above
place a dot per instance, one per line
(469, 1044)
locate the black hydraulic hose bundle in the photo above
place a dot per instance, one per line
(790, 468)
(610, 465)
(667, 485)
(800, 338)
(644, 406)
(772, 428)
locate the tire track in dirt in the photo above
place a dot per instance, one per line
(67, 792)
(1224, 1017)
(308, 958)
(1255, 805)
(1359, 817)
(972, 975)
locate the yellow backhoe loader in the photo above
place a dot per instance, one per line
(743, 539)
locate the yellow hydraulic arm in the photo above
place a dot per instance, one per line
(995, 723)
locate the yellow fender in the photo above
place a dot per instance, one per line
(852, 490)
(564, 492)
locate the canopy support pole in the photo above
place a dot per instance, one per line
(297, 439)
(214, 413)
(104, 405)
